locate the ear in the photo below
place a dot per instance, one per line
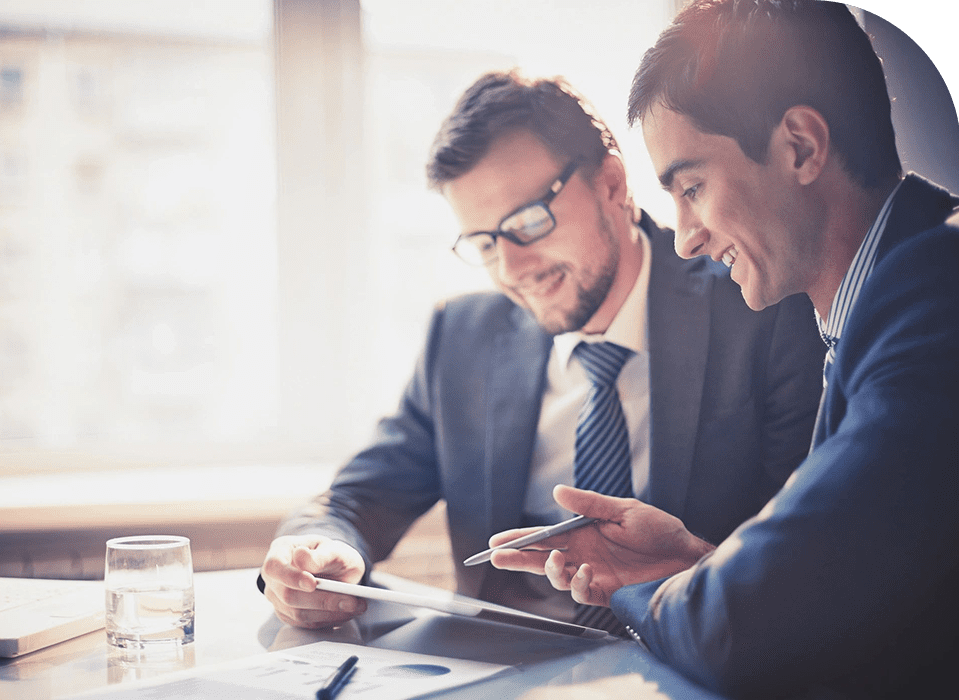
(610, 180)
(802, 139)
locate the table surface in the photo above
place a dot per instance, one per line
(234, 621)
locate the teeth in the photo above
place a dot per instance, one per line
(729, 257)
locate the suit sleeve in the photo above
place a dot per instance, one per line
(378, 494)
(847, 578)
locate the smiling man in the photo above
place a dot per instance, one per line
(713, 404)
(742, 212)
(579, 277)
(768, 121)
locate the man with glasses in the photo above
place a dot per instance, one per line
(717, 402)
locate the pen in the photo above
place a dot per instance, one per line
(335, 682)
(538, 536)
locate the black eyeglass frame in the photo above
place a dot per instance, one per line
(554, 189)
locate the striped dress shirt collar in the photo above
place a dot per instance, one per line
(853, 282)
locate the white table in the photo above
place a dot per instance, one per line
(234, 621)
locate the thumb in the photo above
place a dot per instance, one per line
(304, 558)
(320, 558)
(590, 503)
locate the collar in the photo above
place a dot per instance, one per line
(629, 325)
(855, 277)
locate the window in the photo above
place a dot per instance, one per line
(216, 243)
(137, 233)
(420, 56)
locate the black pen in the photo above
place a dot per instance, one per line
(335, 682)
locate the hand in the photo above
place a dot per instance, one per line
(288, 572)
(633, 543)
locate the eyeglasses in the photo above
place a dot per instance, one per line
(525, 225)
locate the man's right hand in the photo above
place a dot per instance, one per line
(633, 543)
(288, 572)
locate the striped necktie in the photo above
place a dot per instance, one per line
(602, 441)
(603, 462)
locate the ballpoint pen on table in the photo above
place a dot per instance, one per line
(538, 536)
(335, 682)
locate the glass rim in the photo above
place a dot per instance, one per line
(147, 542)
(513, 235)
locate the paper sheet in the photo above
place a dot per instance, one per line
(296, 674)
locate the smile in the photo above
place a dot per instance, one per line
(729, 257)
(544, 284)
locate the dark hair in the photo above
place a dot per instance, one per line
(734, 67)
(502, 102)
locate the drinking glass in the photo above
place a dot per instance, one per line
(149, 591)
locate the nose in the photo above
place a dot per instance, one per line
(513, 261)
(691, 235)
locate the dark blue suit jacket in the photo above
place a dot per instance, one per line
(847, 581)
(733, 400)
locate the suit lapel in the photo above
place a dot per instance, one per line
(678, 343)
(516, 384)
(819, 427)
(918, 206)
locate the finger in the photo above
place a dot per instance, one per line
(337, 604)
(325, 559)
(510, 535)
(316, 607)
(331, 559)
(519, 560)
(590, 503)
(558, 571)
(279, 570)
(580, 585)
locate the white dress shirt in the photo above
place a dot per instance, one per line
(554, 451)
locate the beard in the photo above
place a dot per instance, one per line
(592, 288)
(589, 297)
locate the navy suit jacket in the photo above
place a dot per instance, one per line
(733, 400)
(845, 584)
